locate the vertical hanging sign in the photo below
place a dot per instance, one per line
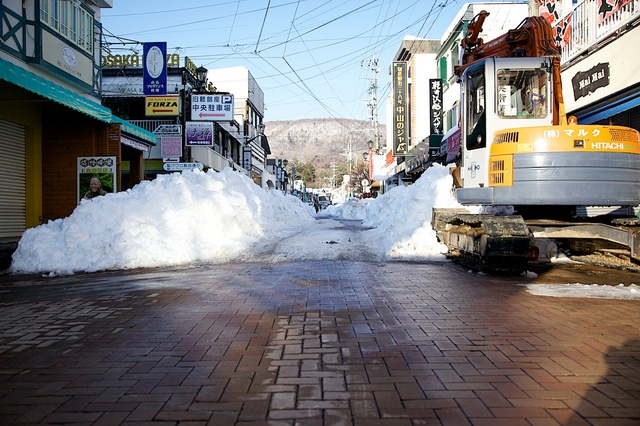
(435, 107)
(154, 68)
(400, 110)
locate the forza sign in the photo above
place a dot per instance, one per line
(161, 105)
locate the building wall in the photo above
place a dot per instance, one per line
(68, 135)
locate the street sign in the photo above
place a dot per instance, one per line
(212, 107)
(178, 167)
(161, 105)
(168, 129)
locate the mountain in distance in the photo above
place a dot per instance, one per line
(320, 141)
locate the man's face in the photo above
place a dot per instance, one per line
(94, 185)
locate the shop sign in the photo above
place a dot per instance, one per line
(198, 134)
(162, 105)
(154, 68)
(168, 129)
(171, 146)
(400, 110)
(435, 106)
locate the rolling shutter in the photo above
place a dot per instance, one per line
(12, 180)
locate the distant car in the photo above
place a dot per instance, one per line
(324, 202)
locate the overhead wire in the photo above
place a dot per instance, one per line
(266, 12)
(382, 33)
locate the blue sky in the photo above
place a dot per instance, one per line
(310, 57)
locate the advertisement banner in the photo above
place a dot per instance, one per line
(199, 133)
(400, 146)
(102, 170)
(154, 68)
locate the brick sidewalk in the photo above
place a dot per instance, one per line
(311, 343)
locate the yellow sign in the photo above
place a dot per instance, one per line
(162, 105)
(173, 60)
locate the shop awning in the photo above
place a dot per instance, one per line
(47, 89)
(376, 184)
(609, 108)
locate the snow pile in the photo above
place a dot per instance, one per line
(222, 216)
(630, 292)
(402, 218)
(174, 219)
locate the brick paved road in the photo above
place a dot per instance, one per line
(325, 342)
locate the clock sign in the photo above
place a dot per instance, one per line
(155, 68)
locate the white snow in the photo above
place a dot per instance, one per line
(213, 217)
(630, 292)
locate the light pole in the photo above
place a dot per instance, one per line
(247, 151)
(201, 77)
(293, 173)
(199, 84)
(284, 163)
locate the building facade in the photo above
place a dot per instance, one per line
(249, 114)
(51, 117)
(237, 139)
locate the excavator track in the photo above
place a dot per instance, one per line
(496, 244)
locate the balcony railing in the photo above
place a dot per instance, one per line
(587, 26)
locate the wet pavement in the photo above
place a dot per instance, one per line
(322, 342)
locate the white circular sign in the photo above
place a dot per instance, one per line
(155, 62)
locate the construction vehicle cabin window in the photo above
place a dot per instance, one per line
(476, 105)
(522, 93)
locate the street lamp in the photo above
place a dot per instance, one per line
(201, 76)
(248, 152)
(285, 162)
(197, 84)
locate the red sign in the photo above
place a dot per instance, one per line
(454, 140)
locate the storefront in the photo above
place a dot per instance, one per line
(44, 129)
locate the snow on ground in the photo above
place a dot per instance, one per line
(191, 217)
(630, 292)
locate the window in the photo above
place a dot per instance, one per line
(443, 69)
(522, 93)
(70, 20)
(476, 117)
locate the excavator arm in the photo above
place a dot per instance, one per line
(532, 38)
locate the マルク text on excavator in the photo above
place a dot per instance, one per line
(518, 149)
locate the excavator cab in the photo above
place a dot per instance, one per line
(499, 94)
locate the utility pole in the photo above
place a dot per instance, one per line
(333, 174)
(372, 104)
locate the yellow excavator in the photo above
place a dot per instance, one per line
(519, 153)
